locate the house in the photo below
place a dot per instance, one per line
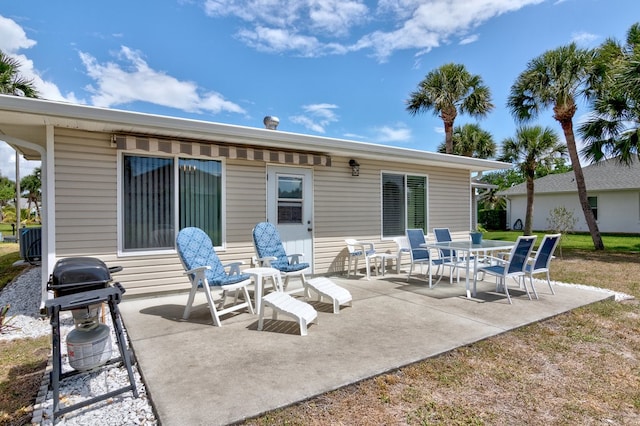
(117, 185)
(613, 190)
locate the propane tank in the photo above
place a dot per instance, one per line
(89, 347)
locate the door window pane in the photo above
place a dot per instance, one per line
(290, 197)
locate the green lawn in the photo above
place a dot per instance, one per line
(578, 241)
(5, 229)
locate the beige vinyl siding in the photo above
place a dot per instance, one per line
(86, 213)
(85, 185)
(345, 206)
(450, 201)
(350, 207)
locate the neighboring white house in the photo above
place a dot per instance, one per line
(118, 185)
(613, 190)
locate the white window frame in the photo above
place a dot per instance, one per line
(406, 209)
(597, 207)
(176, 200)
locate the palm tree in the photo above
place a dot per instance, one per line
(448, 91)
(31, 185)
(7, 194)
(531, 149)
(11, 82)
(613, 129)
(556, 79)
(470, 140)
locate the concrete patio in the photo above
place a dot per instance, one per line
(199, 374)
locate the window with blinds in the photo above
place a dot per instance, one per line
(593, 203)
(404, 203)
(152, 212)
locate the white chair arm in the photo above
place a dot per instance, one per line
(197, 271)
(496, 259)
(234, 267)
(294, 258)
(198, 274)
(266, 261)
(364, 244)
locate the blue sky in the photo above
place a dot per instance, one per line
(336, 68)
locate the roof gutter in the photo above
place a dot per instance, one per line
(34, 112)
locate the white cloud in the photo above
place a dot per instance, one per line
(399, 133)
(329, 17)
(317, 117)
(8, 163)
(321, 27)
(584, 38)
(130, 79)
(12, 37)
(274, 40)
(13, 40)
(470, 39)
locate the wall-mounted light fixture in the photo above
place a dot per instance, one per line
(355, 167)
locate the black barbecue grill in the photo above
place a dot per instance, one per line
(81, 285)
(79, 274)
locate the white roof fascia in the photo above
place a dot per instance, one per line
(20, 111)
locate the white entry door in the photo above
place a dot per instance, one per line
(290, 208)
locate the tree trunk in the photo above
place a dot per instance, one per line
(567, 128)
(448, 136)
(528, 217)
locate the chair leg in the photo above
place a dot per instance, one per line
(223, 299)
(192, 295)
(303, 327)
(367, 261)
(549, 282)
(523, 278)
(506, 290)
(248, 299)
(535, 293)
(212, 307)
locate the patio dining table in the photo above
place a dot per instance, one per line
(470, 251)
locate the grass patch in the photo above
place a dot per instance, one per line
(9, 253)
(22, 363)
(578, 241)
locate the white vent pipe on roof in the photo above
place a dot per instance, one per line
(271, 122)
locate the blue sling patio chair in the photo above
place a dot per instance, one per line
(451, 258)
(270, 253)
(421, 255)
(206, 272)
(542, 259)
(511, 267)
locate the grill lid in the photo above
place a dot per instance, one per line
(79, 270)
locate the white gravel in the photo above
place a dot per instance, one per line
(25, 321)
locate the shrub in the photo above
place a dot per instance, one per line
(493, 219)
